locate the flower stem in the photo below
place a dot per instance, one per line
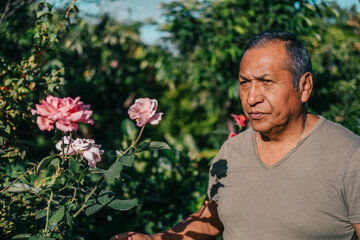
(48, 211)
(138, 138)
(134, 142)
(68, 147)
(62, 146)
(88, 197)
(18, 178)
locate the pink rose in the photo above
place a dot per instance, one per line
(85, 147)
(65, 113)
(93, 156)
(144, 111)
(240, 119)
(231, 134)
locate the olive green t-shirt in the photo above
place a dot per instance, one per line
(312, 193)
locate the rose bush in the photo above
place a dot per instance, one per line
(62, 186)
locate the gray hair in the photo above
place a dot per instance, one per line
(297, 52)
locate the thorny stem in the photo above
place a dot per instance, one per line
(88, 197)
(18, 178)
(48, 211)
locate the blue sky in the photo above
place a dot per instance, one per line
(143, 9)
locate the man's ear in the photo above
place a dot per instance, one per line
(306, 86)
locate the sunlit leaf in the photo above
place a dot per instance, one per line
(24, 236)
(123, 205)
(58, 215)
(41, 238)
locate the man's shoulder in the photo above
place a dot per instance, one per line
(337, 134)
(244, 135)
(340, 130)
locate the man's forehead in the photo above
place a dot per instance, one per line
(263, 56)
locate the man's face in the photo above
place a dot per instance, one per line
(266, 90)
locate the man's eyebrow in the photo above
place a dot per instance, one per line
(263, 76)
(244, 78)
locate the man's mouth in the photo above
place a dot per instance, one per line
(256, 115)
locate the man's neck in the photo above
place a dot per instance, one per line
(273, 147)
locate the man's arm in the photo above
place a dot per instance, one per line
(201, 225)
(357, 229)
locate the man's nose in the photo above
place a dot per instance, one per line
(255, 94)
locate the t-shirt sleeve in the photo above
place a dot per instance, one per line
(352, 187)
(216, 172)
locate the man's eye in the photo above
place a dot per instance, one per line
(244, 82)
(267, 81)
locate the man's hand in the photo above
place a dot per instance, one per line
(201, 225)
(131, 236)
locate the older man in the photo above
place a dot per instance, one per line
(291, 175)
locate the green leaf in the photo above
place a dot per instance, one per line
(41, 238)
(89, 202)
(69, 220)
(41, 214)
(8, 81)
(24, 236)
(93, 209)
(42, 13)
(22, 187)
(113, 171)
(43, 163)
(55, 162)
(82, 175)
(105, 196)
(142, 146)
(49, 6)
(127, 160)
(74, 166)
(158, 146)
(59, 214)
(123, 205)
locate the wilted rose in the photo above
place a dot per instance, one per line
(240, 119)
(81, 146)
(144, 111)
(65, 113)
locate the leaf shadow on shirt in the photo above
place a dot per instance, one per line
(219, 171)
